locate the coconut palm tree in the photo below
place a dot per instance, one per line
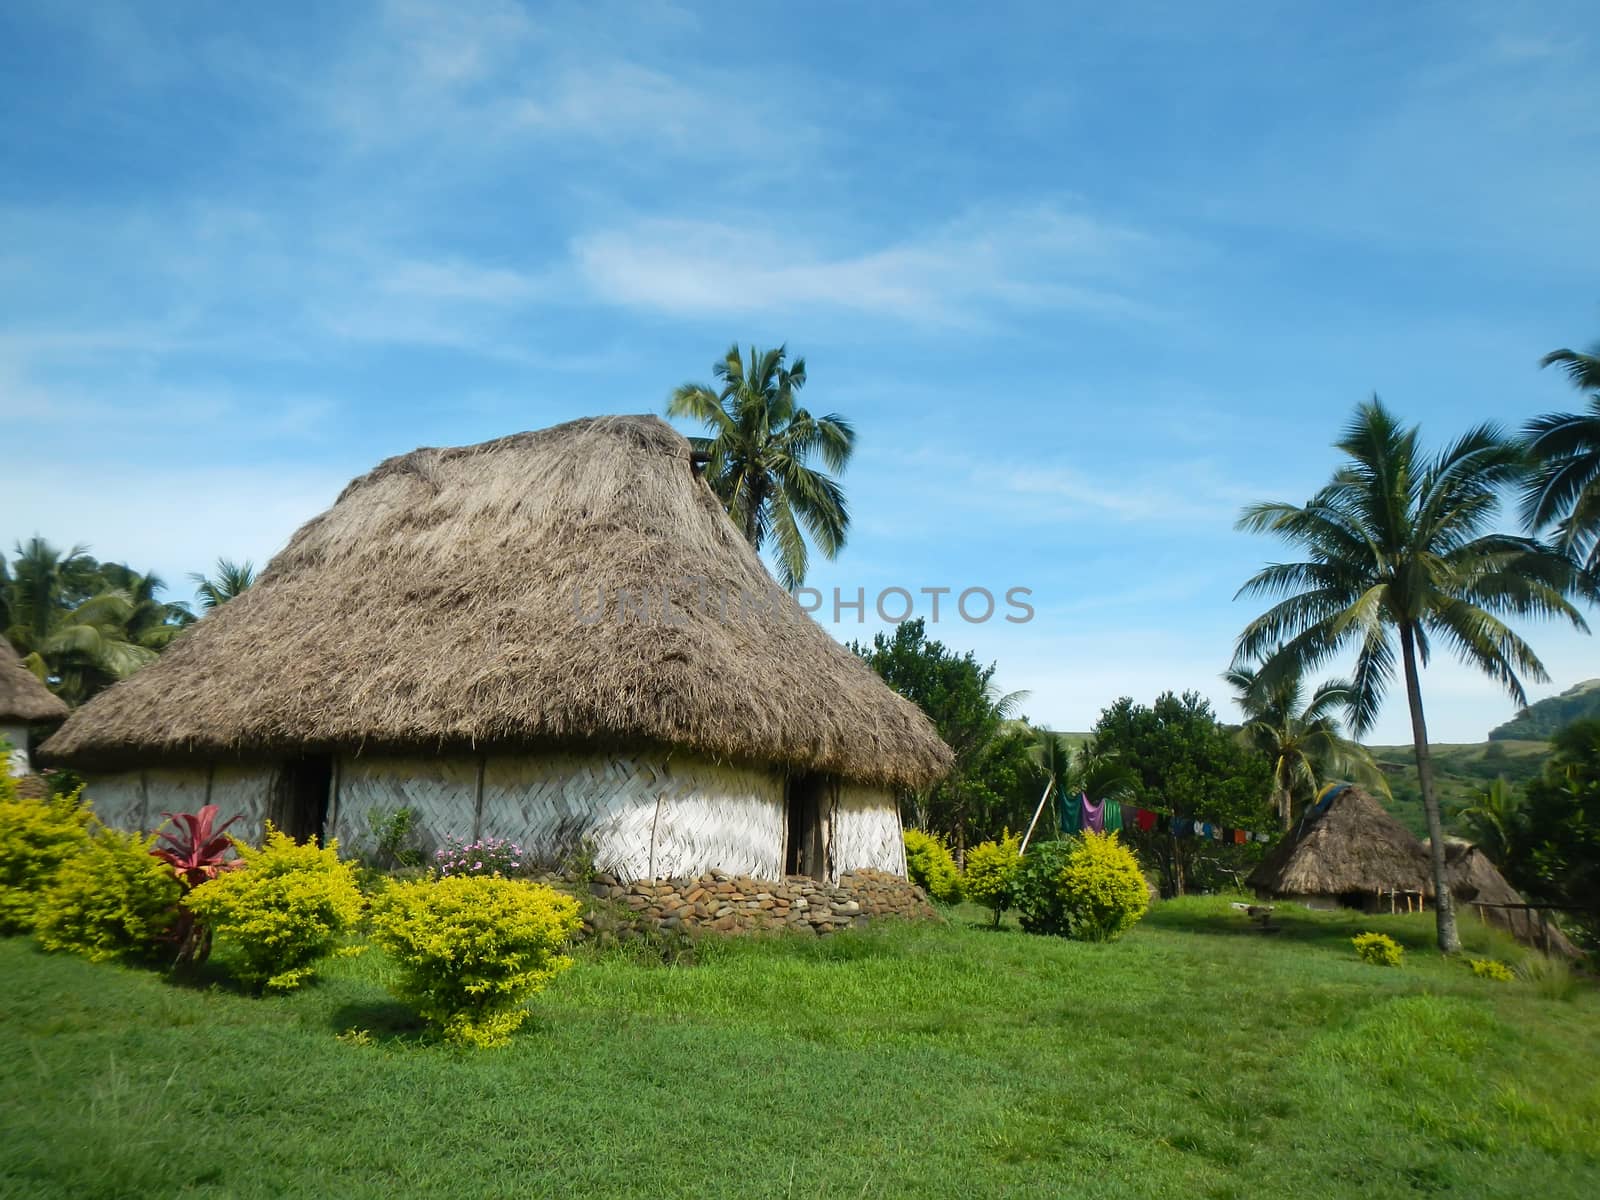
(231, 579)
(152, 623)
(1564, 489)
(1300, 737)
(758, 455)
(1396, 559)
(1494, 819)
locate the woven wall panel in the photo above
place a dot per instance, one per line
(173, 789)
(645, 815)
(714, 816)
(866, 831)
(118, 800)
(440, 791)
(241, 791)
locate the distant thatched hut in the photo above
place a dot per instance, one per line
(23, 700)
(556, 637)
(1345, 852)
(1477, 886)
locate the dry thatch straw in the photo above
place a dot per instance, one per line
(1353, 847)
(22, 696)
(432, 607)
(1472, 877)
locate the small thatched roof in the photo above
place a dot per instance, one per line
(433, 607)
(1351, 846)
(1472, 877)
(22, 696)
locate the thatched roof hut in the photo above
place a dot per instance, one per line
(1346, 850)
(23, 700)
(575, 596)
(1477, 886)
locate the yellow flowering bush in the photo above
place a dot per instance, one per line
(471, 950)
(991, 869)
(930, 865)
(284, 909)
(1379, 949)
(36, 838)
(1103, 892)
(110, 899)
(1491, 968)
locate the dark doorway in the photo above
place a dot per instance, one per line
(303, 787)
(806, 849)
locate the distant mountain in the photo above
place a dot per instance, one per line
(1541, 721)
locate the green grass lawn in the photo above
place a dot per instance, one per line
(1194, 1058)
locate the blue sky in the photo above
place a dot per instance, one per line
(1087, 278)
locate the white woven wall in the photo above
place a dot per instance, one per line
(241, 790)
(16, 762)
(866, 831)
(647, 815)
(119, 801)
(439, 790)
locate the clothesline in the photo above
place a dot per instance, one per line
(1107, 816)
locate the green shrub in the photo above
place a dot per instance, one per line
(1088, 887)
(991, 868)
(1378, 949)
(1103, 891)
(36, 838)
(284, 909)
(473, 948)
(1036, 891)
(110, 899)
(929, 865)
(1491, 968)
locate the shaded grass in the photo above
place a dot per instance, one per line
(1194, 1058)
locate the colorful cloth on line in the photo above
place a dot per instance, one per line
(1094, 816)
(1144, 820)
(1071, 815)
(1113, 816)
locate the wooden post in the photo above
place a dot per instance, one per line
(477, 800)
(1050, 784)
(144, 802)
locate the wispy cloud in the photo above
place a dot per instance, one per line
(1043, 257)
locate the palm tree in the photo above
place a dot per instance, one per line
(1564, 489)
(1494, 819)
(758, 454)
(1300, 738)
(69, 625)
(1396, 553)
(231, 579)
(152, 623)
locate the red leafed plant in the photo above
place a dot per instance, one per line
(195, 848)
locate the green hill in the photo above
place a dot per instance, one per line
(1460, 771)
(1541, 721)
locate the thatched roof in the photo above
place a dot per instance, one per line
(22, 696)
(1352, 846)
(1472, 877)
(432, 607)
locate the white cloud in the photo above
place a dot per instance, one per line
(1044, 257)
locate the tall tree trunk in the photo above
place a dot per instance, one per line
(1284, 798)
(1444, 909)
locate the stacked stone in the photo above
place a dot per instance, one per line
(739, 904)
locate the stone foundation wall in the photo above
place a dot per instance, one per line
(740, 904)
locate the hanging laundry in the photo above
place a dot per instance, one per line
(1094, 816)
(1240, 837)
(1113, 816)
(1205, 829)
(1071, 815)
(1144, 820)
